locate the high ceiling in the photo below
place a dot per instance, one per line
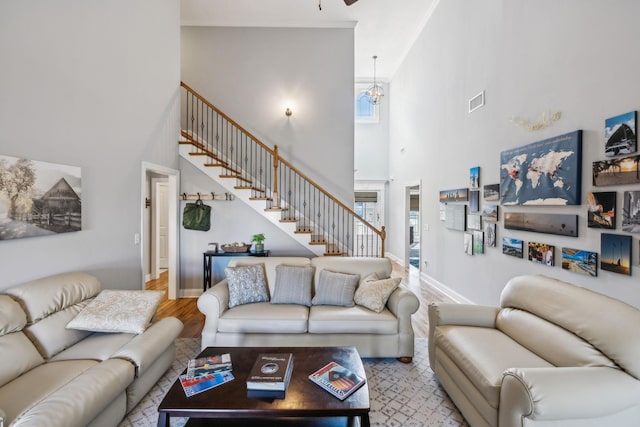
(386, 28)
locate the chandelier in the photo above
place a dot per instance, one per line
(375, 92)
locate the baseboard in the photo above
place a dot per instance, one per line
(394, 258)
(189, 293)
(447, 291)
(147, 277)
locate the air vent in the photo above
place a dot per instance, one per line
(476, 102)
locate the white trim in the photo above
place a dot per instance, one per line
(173, 194)
(440, 287)
(394, 258)
(407, 208)
(190, 293)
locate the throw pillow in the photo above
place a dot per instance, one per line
(373, 293)
(335, 288)
(246, 284)
(293, 285)
(118, 311)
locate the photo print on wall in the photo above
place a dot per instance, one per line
(541, 253)
(478, 242)
(620, 134)
(618, 171)
(490, 213)
(457, 195)
(615, 253)
(490, 234)
(512, 247)
(492, 192)
(579, 261)
(474, 177)
(601, 210)
(561, 224)
(38, 198)
(474, 222)
(631, 212)
(474, 201)
(547, 172)
(468, 243)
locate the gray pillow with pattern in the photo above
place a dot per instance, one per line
(246, 284)
(293, 285)
(335, 288)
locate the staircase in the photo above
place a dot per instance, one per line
(273, 187)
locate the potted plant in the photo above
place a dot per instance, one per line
(259, 240)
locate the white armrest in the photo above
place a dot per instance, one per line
(462, 314)
(212, 304)
(143, 349)
(565, 393)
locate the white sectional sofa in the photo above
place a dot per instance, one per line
(552, 354)
(385, 334)
(54, 376)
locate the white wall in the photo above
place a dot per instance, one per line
(95, 85)
(372, 144)
(252, 74)
(575, 57)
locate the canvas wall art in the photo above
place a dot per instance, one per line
(618, 171)
(541, 253)
(620, 134)
(492, 192)
(474, 177)
(478, 242)
(468, 243)
(474, 201)
(490, 234)
(457, 195)
(456, 216)
(601, 211)
(561, 224)
(547, 172)
(512, 247)
(38, 198)
(474, 222)
(580, 261)
(631, 212)
(615, 253)
(490, 213)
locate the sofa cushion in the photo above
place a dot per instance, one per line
(473, 350)
(12, 317)
(39, 298)
(551, 342)
(265, 317)
(18, 355)
(97, 346)
(335, 288)
(293, 285)
(246, 284)
(118, 311)
(373, 293)
(327, 319)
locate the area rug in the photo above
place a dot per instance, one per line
(401, 394)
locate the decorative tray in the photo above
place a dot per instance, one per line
(236, 247)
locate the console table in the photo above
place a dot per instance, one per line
(208, 263)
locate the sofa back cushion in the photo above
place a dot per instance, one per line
(609, 325)
(17, 353)
(50, 303)
(554, 344)
(270, 264)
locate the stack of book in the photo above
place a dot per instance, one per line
(337, 380)
(270, 374)
(205, 373)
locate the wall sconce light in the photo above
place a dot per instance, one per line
(288, 112)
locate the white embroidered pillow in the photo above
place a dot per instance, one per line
(373, 293)
(118, 311)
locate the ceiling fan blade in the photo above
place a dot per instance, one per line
(349, 2)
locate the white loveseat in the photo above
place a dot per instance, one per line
(262, 324)
(552, 354)
(54, 376)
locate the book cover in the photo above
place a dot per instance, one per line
(197, 385)
(337, 380)
(271, 371)
(208, 365)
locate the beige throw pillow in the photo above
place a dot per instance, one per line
(373, 293)
(118, 311)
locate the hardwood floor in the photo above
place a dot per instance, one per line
(186, 309)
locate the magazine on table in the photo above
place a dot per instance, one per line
(337, 380)
(202, 383)
(271, 371)
(208, 365)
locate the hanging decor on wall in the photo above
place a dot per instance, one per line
(512, 247)
(541, 253)
(561, 224)
(580, 261)
(615, 253)
(547, 119)
(620, 134)
(601, 210)
(457, 195)
(619, 171)
(38, 198)
(546, 172)
(631, 212)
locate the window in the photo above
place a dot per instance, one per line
(365, 111)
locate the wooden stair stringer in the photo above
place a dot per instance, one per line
(245, 195)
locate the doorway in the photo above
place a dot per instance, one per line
(160, 248)
(412, 231)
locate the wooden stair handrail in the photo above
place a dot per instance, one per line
(381, 233)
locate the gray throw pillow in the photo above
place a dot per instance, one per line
(246, 284)
(335, 288)
(293, 285)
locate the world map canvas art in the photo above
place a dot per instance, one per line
(543, 173)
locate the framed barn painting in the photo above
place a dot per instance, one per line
(547, 172)
(38, 198)
(620, 134)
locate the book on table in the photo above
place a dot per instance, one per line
(208, 365)
(337, 380)
(205, 373)
(271, 371)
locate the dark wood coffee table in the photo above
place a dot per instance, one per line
(304, 403)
